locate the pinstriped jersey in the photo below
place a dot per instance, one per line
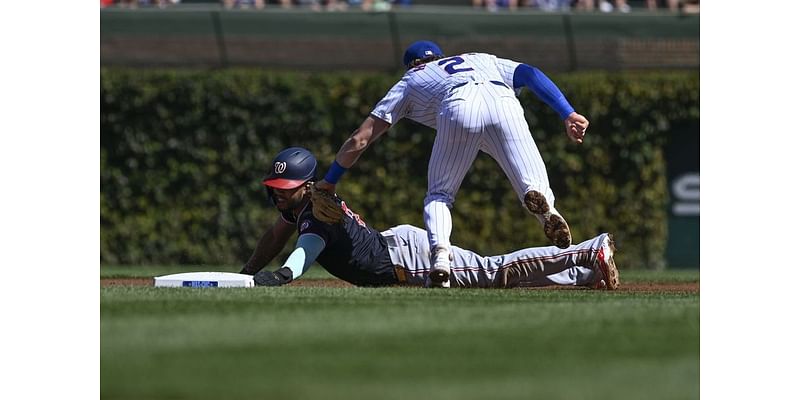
(419, 94)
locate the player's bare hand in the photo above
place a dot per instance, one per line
(326, 186)
(576, 126)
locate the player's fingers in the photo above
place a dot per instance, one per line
(574, 136)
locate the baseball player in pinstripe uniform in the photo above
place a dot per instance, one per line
(470, 99)
(355, 252)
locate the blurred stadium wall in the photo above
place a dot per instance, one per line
(299, 39)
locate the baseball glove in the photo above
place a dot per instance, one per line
(327, 207)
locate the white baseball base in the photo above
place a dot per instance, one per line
(205, 280)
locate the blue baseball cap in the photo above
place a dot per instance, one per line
(421, 49)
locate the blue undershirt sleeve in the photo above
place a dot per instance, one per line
(308, 248)
(543, 87)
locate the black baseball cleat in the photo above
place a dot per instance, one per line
(555, 226)
(440, 278)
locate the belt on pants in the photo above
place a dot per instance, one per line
(498, 83)
(399, 271)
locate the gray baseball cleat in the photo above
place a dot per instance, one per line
(605, 265)
(439, 275)
(555, 226)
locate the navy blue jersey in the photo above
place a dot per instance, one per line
(353, 251)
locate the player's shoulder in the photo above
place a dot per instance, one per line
(486, 60)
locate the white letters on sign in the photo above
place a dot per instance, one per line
(686, 195)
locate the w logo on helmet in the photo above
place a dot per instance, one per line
(280, 167)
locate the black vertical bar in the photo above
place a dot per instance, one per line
(395, 32)
(223, 52)
(568, 34)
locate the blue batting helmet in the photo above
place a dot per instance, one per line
(421, 49)
(291, 168)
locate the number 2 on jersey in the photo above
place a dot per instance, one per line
(451, 65)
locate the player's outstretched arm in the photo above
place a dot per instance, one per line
(308, 248)
(547, 91)
(535, 80)
(370, 130)
(269, 245)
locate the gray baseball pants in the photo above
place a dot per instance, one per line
(409, 250)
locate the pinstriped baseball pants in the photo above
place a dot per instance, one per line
(479, 116)
(410, 251)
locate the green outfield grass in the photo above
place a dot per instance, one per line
(398, 343)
